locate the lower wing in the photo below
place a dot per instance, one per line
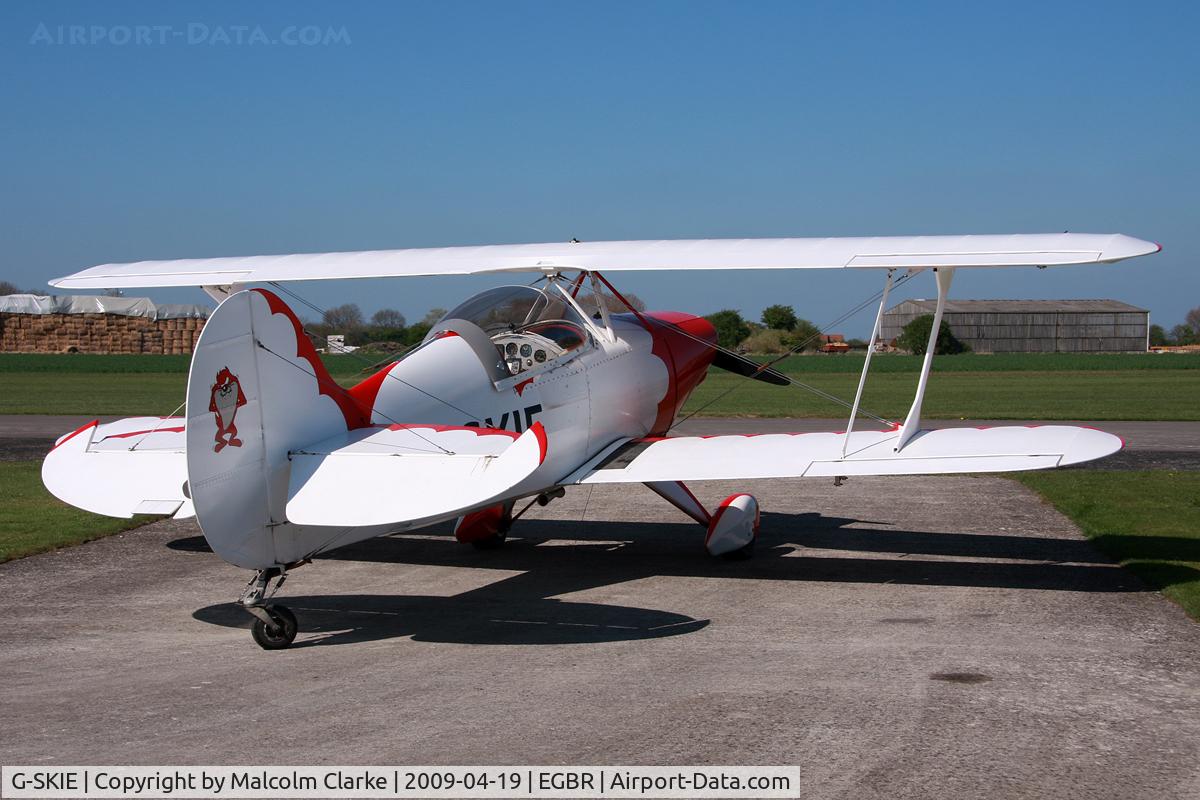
(806, 455)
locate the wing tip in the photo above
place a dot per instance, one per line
(1121, 247)
(1091, 444)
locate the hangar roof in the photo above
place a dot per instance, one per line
(1024, 306)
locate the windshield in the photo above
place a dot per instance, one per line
(511, 308)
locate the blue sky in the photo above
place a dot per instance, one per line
(467, 123)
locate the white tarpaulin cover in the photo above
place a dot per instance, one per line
(98, 304)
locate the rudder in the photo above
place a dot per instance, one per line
(256, 390)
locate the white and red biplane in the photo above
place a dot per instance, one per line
(517, 393)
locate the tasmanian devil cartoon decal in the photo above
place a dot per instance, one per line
(227, 398)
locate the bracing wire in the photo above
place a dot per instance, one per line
(372, 365)
(338, 387)
(795, 349)
(157, 425)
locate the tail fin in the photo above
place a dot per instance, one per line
(256, 390)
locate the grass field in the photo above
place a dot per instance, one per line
(1147, 521)
(1135, 395)
(1014, 386)
(33, 521)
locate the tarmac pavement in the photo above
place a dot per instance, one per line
(910, 637)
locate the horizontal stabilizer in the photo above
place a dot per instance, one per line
(408, 473)
(118, 469)
(805, 455)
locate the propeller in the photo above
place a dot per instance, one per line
(748, 368)
(727, 359)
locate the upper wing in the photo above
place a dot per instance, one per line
(803, 455)
(1014, 250)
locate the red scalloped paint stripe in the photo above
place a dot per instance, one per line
(366, 392)
(543, 442)
(179, 429)
(353, 413)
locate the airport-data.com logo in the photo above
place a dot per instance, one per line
(193, 33)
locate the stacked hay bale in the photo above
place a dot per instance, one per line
(97, 333)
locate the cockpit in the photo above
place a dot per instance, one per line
(528, 326)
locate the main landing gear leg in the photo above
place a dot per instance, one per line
(731, 531)
(486, 529)
(274, 625)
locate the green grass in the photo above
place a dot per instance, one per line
(1148, 521)
(1086, 395)
(33, 521)
(35, 383)
(1001, 362)
(82, 363)
(1013, 386)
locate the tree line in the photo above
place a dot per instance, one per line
(779, 331)
(1187, 332)
(387, 326)
(782, 331)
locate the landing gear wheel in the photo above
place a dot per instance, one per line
(493, 542)
(278, 636)
(744, 553)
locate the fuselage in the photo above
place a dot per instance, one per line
(628, 384)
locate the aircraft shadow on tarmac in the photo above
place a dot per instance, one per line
(557, 557)
(496, 614)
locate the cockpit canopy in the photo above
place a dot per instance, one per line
(507, 309)
(528, 325)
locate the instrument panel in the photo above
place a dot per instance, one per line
(524, 351)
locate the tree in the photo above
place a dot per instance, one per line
(731, 328)
(9, 288)
(915, 337)
(804, 336)
(587, 301)
(1158, 337)
(765, 340)
(388, 318)
(431, 317)
(343, 318)
(1183, 334)
(414, 334)
(1193, 320)
(779, 317)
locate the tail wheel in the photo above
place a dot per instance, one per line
(277, 636)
